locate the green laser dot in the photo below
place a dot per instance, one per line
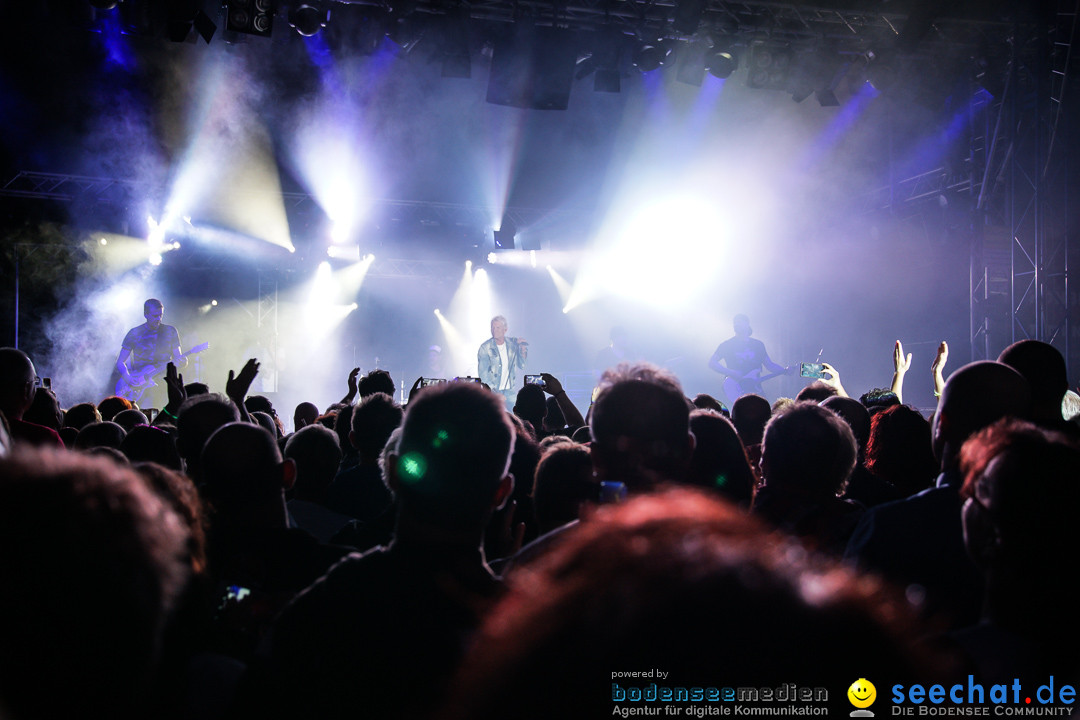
(413, 466)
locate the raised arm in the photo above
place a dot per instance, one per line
(174, 382)
(901, 365)
(236, 387)
(938, 368)
(351, 394)
(569, 410)
(832, 379)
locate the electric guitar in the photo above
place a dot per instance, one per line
(735, 388)
(142, 379)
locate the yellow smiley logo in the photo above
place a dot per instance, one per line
(862, 693)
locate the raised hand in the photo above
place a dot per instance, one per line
(552, 386)
(832, 379)
(941, 358)
(900, 363)
(415, 387)
(938, 368)
(175, 384)
(236, 387)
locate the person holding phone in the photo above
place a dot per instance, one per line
(499, 358)
(740, 358)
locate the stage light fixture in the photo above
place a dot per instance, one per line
(721, 63)
(504, 236)
(104, 4)
(604, 61)
(308, 18)
(250, 17)
(770, 64)
(651, 55)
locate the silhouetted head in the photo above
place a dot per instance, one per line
(316, 452)
(855, 414)
(719, 462)
(899, 450)
(100, 434)
(376, 381)
(196, 388)
(17, 377)
(372, 422)
(80, 415)
(816, 392)
(130, 419)
(260, 403)
(242, 469)
(688, 584)
(1019, 517)
(975, 396)
(1043, 366)
(878, 399)
(564, 481)
(749, 414)
(45, 409)
(110, 406)
(305, 414)
(704, 401)
(88, 597)
(451, 466)
(554, 420)
(531, 405)
(144, 443)
(264, 420)
(197, 419)
(808, 449)
(640, 427)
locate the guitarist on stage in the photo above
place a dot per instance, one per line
(151, 343)
(740, 359)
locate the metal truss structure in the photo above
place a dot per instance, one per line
(69, 188)
(792, 22)
(1020, 176)
(65, 188)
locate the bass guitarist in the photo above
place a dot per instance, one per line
(149, 344)
(740, 359)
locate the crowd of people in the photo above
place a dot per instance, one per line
(452, 559)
